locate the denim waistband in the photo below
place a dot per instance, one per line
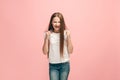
(59, 63)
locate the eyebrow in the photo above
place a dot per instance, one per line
(56, 21)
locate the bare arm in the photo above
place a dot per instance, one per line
(46, 43)
(69, 42)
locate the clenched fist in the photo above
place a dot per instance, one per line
(48, 34)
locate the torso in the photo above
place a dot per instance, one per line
(54, 49)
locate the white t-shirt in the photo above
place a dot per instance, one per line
(54, 49)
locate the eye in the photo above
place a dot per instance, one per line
(54, 21)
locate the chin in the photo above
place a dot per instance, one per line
(57, 29)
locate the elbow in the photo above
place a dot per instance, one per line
(45, 51)
(70, 50)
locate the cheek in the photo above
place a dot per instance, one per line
(59, 24)
(53, 24)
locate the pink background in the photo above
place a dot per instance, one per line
(95, 32)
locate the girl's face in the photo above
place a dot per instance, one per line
(56, 24)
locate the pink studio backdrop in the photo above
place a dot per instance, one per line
(95, 32)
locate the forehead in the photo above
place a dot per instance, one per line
(56, 19)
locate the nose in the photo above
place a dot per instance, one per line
(57, 24)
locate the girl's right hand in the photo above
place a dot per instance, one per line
(48, 34)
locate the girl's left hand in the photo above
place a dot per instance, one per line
(68, 32)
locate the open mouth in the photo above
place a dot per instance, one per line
(56, 26)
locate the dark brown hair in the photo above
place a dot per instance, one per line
(62, 28)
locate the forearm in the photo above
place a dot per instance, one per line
(45, 46)
(69, 44)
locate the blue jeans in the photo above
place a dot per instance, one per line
(59, 71)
